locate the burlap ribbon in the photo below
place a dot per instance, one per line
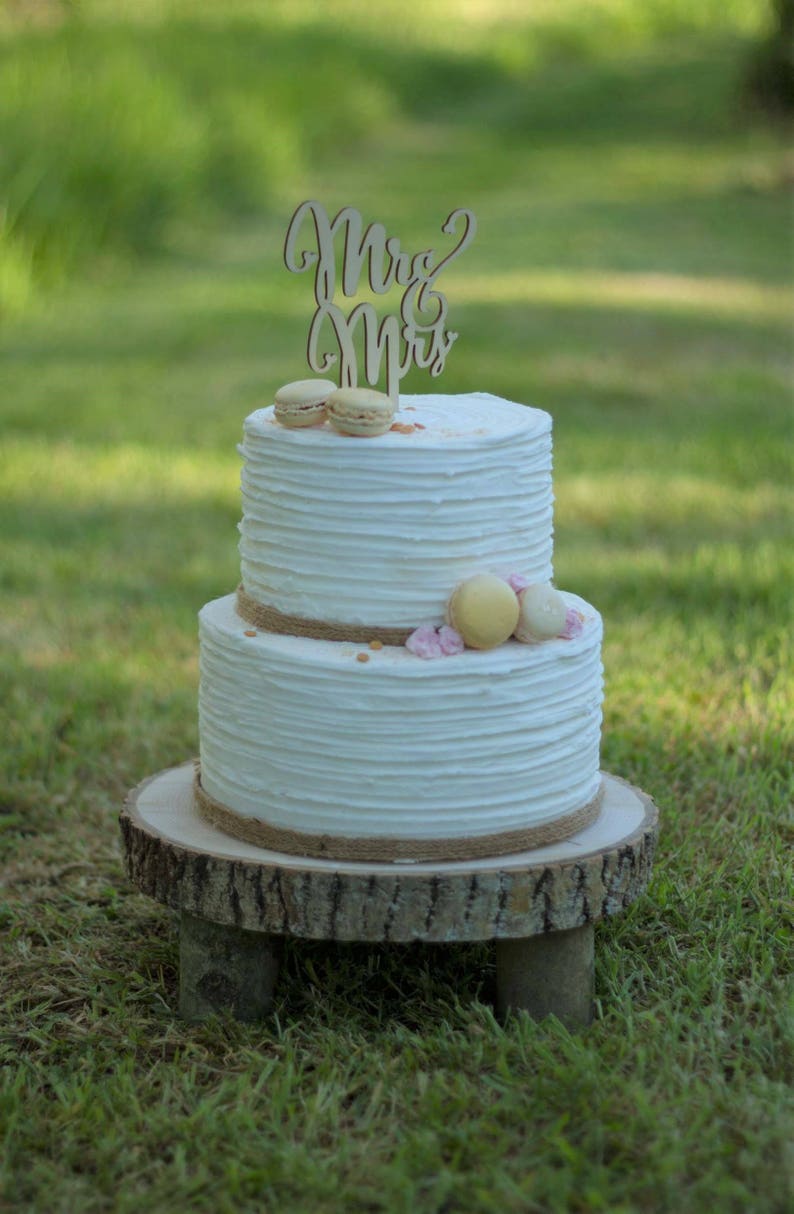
(368, 849)
(270, 620)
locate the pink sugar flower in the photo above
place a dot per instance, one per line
(517, 581)
(424, 642)
(429, 642)
(451, 642)
(574, 623)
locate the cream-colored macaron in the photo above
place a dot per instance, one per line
(541, 613)
(484, 610)
(363, 412)
(302, 403)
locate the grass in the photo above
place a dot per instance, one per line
(631, 275)
(120, 123)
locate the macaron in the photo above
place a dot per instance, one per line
(363, 412)
(484, 610)
(541, 614)
(302, 403)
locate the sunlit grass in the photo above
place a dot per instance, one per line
(641, 292)
(35, 471)
(667, 503)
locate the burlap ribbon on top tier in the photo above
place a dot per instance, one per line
(369, 849)
(271, 620)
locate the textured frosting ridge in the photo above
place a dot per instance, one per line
(379, 530)
(298, 733)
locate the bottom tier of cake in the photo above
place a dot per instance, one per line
(307, 748)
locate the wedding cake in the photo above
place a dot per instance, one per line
(340, 713)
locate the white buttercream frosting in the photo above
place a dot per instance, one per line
(379, 530)
(299, 733)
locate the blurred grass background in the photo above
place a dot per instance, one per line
(121, 122)
(632, 274)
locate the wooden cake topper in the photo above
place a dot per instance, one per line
(417, 335)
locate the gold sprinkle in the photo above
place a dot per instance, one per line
(376, 644)
(250, 632)
(362, 657)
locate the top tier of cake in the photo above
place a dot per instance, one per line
(378, 531)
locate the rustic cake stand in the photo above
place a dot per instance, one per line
(236, 900)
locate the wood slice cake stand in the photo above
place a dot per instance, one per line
(236, 900)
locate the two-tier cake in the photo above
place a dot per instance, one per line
(321, 733)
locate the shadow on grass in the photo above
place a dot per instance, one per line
(382, 986)
(685, 90)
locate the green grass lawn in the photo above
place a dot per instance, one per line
(631, 275)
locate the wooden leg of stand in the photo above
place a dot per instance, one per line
(224, 969)
(548, 975)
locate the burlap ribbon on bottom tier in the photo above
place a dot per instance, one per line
(369, 849)
(270, 620)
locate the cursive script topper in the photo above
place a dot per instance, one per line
(417, 335)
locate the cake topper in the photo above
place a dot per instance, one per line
(417, 335)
